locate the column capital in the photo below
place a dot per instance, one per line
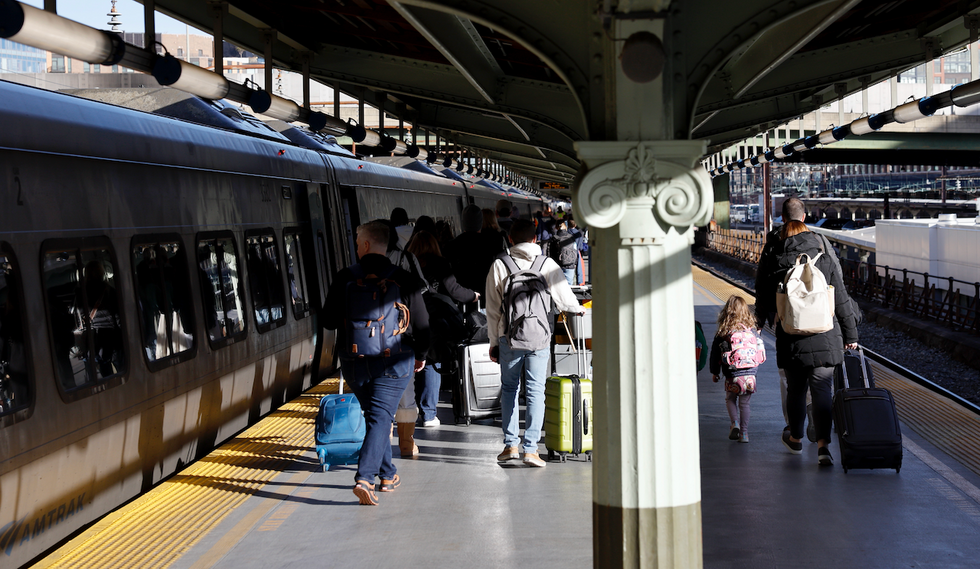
(647, 188)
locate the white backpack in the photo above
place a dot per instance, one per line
(805, 302)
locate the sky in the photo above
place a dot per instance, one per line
(94, 13)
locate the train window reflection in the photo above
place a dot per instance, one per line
(83, 308)
(224, 310)
(164, 297)
(265, 280)
(297, 274)
(15, 388)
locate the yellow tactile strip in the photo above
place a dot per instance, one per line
(718, 287)
(156, 529)
(947, 425)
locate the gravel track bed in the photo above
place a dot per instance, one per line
(935, 365)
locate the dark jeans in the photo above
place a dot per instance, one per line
(378, 384)
(819, 380)
(429, 393)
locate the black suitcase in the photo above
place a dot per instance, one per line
(477, 392)
(867, 425)
(854, 362)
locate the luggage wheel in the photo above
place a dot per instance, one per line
(588, 455)
(469, 421)
(326, 467)
(551, 456)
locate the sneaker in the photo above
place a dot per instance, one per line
(733, 434)
(433, 422)
(811, 428)
(532, 459)
(389, 484)
(795, 448)
(510, 453)
(824, 458)
(365, 493)
(744, 437)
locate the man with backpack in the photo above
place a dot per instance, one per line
(562, 248)
(520, 290)
(382, 337)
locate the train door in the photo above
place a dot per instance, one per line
(351, 219)
(321, 267)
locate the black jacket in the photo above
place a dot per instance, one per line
(335, 308)
(439, 273)
(818, 350)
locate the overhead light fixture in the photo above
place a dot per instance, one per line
(783, 151)
(799, 145)
(908, 112)
(44, 30)
(826, 137)
(417, 152)
(273, 106)
(172, 72)
(371, 138)
(966, 94)
(356, 132)
(320, 122)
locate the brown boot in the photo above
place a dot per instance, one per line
(406, 440)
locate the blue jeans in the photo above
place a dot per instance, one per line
(570, 276)
(378, 384)
(535, 366)
(429, 394)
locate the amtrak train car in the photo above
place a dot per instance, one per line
(159, 283)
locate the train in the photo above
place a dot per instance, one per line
(159, 286)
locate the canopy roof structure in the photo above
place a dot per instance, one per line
(520, 82)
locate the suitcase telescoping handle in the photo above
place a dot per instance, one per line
(864, 375)
(577, 341)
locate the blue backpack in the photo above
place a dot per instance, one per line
(376, 317)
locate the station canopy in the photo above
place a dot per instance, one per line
(520, 81)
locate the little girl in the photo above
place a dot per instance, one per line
(737, 351)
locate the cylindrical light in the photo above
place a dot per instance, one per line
(446, 160)
(41, 29)
(841, 132)
(799, 145)
(432, 157)
(388, 143)
(273, 106)
(417, 152)
(754, 161)
(770, 155)
(460, 166)
(371, 138)
(826, 137)
(172, 72)
(881, 119)
(908, 112)
(861, 126)
(929, 105)
(740, 164)
(355, 131)
(784, 151)
(966, 94)
(331, 125)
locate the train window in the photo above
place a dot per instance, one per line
(163, 294)
(224, 309)
(265, 279)
(15, 386)
(84, 313)
(296, 272)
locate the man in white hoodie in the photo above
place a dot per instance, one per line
(515, 352)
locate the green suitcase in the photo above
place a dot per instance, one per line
(568, 416)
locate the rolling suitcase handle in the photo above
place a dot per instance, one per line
(579, 350)
(843, 369)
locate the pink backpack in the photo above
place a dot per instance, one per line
(748, 350)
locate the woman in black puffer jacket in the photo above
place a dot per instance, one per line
(809, 360)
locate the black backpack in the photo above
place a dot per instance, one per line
(446, 328)
(561, 248)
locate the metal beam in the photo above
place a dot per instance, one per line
(778, 43)
(457, 40)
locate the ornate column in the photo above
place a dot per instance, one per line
(642, 201)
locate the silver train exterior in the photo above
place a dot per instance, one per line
(216, 248)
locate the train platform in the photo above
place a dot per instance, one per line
(261, 499)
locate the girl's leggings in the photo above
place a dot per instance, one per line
(738, 409)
